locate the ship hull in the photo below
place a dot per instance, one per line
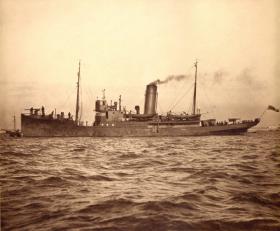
(34, 127)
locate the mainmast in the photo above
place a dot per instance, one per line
(78, 96)
(194, 92)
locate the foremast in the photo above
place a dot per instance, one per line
(194, 92)
(78, 96)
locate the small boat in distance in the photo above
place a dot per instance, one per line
(12, 133)
(114, 121)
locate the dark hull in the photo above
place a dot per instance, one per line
(38, 127)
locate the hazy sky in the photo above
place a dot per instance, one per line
(124, 45)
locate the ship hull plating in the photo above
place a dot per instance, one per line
(38, 127)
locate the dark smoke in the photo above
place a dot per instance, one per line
(218, 76)
(171, 78)
(248, 78)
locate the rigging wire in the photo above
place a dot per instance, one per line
(69, 93)
(160, 108)
(187, 92)
(90, 94)
(205, 95)
(182, 86)
(190, 107)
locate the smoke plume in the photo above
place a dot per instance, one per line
(218, 76)
(248, 78)
(171, 78)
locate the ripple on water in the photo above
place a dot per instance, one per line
(192, 183)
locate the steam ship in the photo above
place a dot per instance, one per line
(114, 121)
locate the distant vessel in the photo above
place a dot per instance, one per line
(114, 121)
(12, 133)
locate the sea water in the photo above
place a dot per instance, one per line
(182, 183)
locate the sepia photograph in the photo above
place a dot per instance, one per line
(138, 115)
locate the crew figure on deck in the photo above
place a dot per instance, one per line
(43, 111)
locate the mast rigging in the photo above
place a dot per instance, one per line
(78, 95)
(194, 92)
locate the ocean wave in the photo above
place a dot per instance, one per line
(53, 181)
(236, 225)
(129, 155)
(198, 183)
(107, 206)
(100, 178)
(253, 197)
